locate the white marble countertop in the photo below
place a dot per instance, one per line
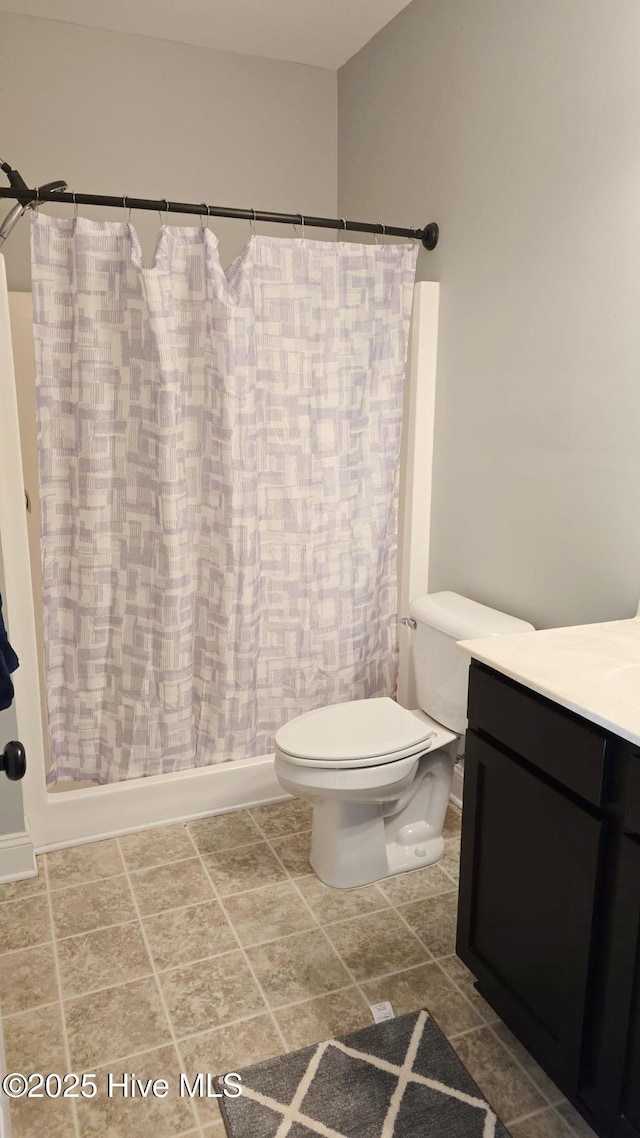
(592, 669)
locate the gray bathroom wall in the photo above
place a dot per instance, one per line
(516, 125)
(126, 114)
(11, 812)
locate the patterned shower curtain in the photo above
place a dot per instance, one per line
(219, 474)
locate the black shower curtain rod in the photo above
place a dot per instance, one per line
(55, 192)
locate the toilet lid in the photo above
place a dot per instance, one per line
(359, 729)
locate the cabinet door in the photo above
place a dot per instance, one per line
(630, 1096)
(620, 1064)
(529, 868)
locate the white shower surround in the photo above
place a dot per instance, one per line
(55, 820)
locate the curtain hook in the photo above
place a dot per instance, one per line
(36, 204)
(75, 205)
(127, 210)
(166, 212)
(302, 225)
(253, 223)
(383, 228)
(204, 206)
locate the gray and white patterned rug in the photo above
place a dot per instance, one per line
(397, 1079)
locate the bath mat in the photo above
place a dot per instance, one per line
(397, 1079)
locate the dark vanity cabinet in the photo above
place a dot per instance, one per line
(616, 1066)
(549, 911)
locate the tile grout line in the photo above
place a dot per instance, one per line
(157, 865)
(112, 876)
(547, 1103)
(571, 1131)
(159, 1046)
(218, 956)
(431, 959)
(201, 854)
(422, 897)
(22, 900)
(56, 965)
(140, 922)
(222, 898)
(453, 1037)
(25, 948)
(385, 975)
(456, 880)
(416, 936)
(438, 959)
(4, 1016)
(160, 865)
(456, 1035)
(490, 1025)
(386, 902)
(182, 1038)
(321, 929)
(242, 949)
(522, 1067)
(316, 925)
(158, 985)
(535, 1114)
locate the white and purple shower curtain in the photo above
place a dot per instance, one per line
(219, 472)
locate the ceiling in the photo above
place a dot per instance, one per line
(324, 33)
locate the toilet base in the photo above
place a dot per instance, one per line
(346, 853)
(347, 843)
(402, 858)
(354, 843)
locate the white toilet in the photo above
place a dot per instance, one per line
(379, 776)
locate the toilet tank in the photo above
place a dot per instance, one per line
(441, 668)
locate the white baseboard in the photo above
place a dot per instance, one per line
(17, 857)
(71, 817)
(456, 785)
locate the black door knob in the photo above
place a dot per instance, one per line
(13, 761)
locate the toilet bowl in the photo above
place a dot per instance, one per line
(379, 791)
(379, 775)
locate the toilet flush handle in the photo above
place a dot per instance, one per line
(408, 621)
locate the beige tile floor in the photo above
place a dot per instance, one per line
(211, 946)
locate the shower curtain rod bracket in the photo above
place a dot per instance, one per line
(26, 198)
(15, 179)
(23, 193)
(430, 235)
